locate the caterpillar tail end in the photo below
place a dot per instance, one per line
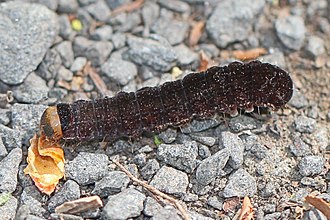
(50, 125)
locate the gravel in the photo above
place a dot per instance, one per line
(304, 124)
(151, 167)
(28, 38)
(8, 210)
(66, 52)
(315, 46)
(124, 205)
(235, 148)
(170, 180)
(87, 168)
(242, 123)
(9, 169)
(311, 165)
(291, 31)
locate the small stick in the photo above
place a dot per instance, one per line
(154, 191)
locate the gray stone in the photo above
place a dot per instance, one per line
(86, 2)
(241, 123)
(50, 65)
(8, 210)
(165, 27)
(204, 151)
(151, 206)
(26, 35)
(167, 212)
(237, 25)
(3, 150)
(64, 74)
(124, 205)
(26, 118)
(66, 52)
(146, 149)
(103, 33)
(11, 138)
(168, 136)
(211, 167)
(115, 4)
(69, 191)
(276, 58)
(150, 12)
(119, 71)
(235, 148)
(240, 184)
(33, 90)
(119, 40)
(87, 168)
(315, 46)
(298, 100)
(140, 159)
(321, 137)
(304, 124)
(67, 6)
(99, 10)
(311, 165)
(272, 216)
(170, 180)
(111, 184)
(80, 46)
(78, 64)
(98, 52)
(313, 214)
(175, 5)
(199, 125)
(9, 169)
(5, 116)
(52, 5)
(197, 216)
(65, 27)
(291, 31)
(299, 148)
(208, 141)
(150, 169)
(156, 54)
(180, 156)
(185, 55)
(32, 198)
(215, 202)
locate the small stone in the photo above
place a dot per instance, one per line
(9, 169)
(315, 46)
(103, 33)
(119, 71)
(268, 190)
(50, 65)
(3, 150)
(156, 54)
(240, 184)
(32, 198)
(199, 125)
(180, 156)
(299, 148)
(124, 205)
(185, 55)
(211, 167)
(114, 182)
(86, 2)
(197, 216)
(298, 100)
(170, 180)
(165, 27)
(208, 141)
(304, 124)
(150, 13)
(5, 116)
(33, 90)
(321, 137)
(66, 52)
(119, 40)
(151, 206)
(146, 149)
(300, 194)
(311, 165)
(235, 148)
(313, 214)
(167, 212)
(214, 202)
(67, 6)
(168, 136)
(87, 168)
(8, 210)
(203, 151)
(175, 5)
(291, 31)
(130, 23)
(99, 10)
(69, 191)
(29, 32)
(98, 52)
(78, 64)
(64, 74)
(150, 169)
(65, 27)
(276, 58)
(242, 123)
(237, 25)
(26, 118)
(140, 159)
(11, 138)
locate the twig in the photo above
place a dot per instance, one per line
(128, 7)
(154, 191)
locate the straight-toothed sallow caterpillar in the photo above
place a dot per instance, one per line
(198, 95)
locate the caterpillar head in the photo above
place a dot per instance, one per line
(50, 124)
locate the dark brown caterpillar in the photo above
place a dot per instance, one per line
(198, 95)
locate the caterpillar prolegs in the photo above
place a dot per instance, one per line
(198, 95)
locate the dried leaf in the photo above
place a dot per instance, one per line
(320, 204)
(95, 77)
(247, 210)
(196, 33)
(80, 205)
(203, 61)
(45, 164)
(230, 204)
(128, 7)
(249, 54)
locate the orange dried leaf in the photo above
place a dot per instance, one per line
(247, 210)
(128, 7)
(320, 204)
(196, 33)
(45, 164)
(249, 54)
(203, 61)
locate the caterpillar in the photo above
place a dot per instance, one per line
(151, 109)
